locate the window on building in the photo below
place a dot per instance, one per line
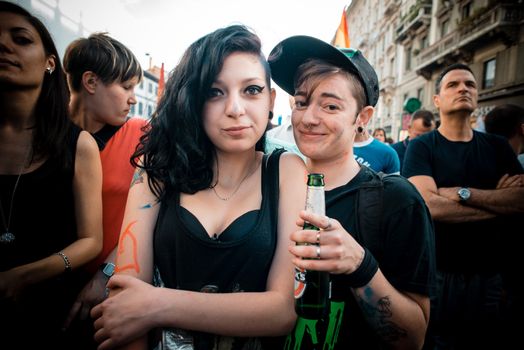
(408, 58)
(392, 66)
(141, 85)
(140, 108)
(488, 80)
(132, 110)
(444, 28)
(149, 110)
(466, 10)
(156, 90)
(150, 87)
(420, 94)
(424, 42)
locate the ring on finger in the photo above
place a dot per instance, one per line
(328, 226)
(318, 252)
(318, 238)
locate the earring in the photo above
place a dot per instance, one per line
(360, 129)
(49, 70)
(270, 115)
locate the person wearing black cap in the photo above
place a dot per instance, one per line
(381, 275)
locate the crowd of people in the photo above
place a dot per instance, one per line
(183, 232)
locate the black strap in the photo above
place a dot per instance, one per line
(368, 208)
(272, 163)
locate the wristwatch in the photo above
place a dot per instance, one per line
(108, 269)
(464, 194)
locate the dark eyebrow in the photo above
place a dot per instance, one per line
(330, 95)
(21, 29)
(324, 95)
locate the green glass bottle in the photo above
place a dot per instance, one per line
(312, 288)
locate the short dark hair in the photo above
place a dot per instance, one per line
(454, 66)
(108, 58)
(383, 131)
(427, 117)
(317, 69)
(52, 125)
(177, 154)
(504, 120)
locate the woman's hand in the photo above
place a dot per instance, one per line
(126, 314)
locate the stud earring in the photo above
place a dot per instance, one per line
(360, 129)
(270, 115)
(49, 70)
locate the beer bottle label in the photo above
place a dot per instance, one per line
(315, 202)
(300, 282)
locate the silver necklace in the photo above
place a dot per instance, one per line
(236, 189)
(8, 237)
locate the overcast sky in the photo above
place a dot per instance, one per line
(165, 28)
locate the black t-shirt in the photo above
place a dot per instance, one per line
(404, 250)
(479, 163)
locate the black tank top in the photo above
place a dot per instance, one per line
(191, 260)
(44, 222)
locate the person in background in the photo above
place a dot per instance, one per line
(102, 74)
(380, 134)
(381, 276)
(50, 189)
(473, 186)
(421, 122)
(207, 211)
(508, 122)
(374, 153)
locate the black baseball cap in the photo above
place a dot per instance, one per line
(289, 54)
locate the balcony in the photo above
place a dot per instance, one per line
(387, 84)
(418, 15)
(498, 23)
(390, 7)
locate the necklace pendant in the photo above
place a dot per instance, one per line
(7, 237)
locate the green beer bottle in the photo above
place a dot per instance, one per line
(312, 288)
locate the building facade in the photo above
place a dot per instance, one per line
(146, 94)
(409, 42)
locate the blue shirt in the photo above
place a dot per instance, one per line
(376, 155)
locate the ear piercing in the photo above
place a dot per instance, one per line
(360, 129)
(49, 70)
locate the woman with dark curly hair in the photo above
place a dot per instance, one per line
(207, 210)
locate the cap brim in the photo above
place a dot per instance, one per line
(289, 54)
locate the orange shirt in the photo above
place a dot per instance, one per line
(117, 175)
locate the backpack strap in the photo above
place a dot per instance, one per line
(272, 168)
(369, 206)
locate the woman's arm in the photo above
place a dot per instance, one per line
(87, 189)
(128, 315)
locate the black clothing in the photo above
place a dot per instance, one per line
(404, 250)
(43, 221)
(400, 147)
(238, 260)
(476, 261)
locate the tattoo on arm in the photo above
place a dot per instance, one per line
(379, 314)
(138, 177)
